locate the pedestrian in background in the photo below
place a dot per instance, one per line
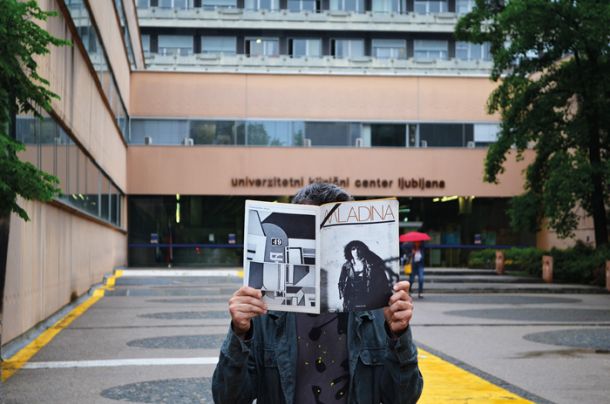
(417, 267)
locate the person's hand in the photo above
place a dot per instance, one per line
(400, 308)
(244, 305)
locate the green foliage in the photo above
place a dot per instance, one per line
(17, 177)
(552, 61)
(482, 259)
(22, 90)
(580, 264)
(516, 259)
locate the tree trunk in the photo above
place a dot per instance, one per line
(5, 224)
(598, 207)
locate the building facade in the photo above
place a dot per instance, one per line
(173, 112)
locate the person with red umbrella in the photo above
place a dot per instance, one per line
(416, 257)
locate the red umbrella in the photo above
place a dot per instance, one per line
(413, 236)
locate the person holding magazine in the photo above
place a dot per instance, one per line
(365, 356)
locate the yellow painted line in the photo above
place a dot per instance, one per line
(445, 382)
(16, 362)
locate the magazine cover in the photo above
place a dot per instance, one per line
(281, 255)
(359, 254)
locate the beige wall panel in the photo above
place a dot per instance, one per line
(110, 31)
(131, 16)
(81, 105)
(181, 95)
(208, 171)
(310, 97)
(454, 99)
(547, 239)
(82, 98)
(50, 257)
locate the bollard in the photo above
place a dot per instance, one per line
(608, 275)
(547, 268)
(499, 262)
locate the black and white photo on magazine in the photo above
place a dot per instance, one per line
(359, 255)
(280, 255)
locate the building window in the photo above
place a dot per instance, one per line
(146, 44)
(347, 48)
(262, 5)
(175, 45)
(216, 4)
(430, 49)
(464, 6)
(306, 48)
(262, 46)
(472, 51)
(431, 6)
(302, 5)
(220, 45)
(445, 134)
(354, 6)
(390, 48)
(389, 6)
(143, 3)
(485, 133)
(179, 4)
(82, 183)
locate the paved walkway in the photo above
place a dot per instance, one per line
(155, 339)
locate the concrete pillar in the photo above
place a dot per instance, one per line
(608, 275)
(547, 268)
(499, 262)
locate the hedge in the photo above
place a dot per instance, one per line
(579, 264)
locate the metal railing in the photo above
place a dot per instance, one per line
(322, 19)
(211, 62)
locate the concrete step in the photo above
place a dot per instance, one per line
(479, 279)
(466, 288)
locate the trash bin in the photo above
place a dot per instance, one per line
(547, 268)
(499, 262)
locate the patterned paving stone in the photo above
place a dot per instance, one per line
(203, 300)
(171, 391)
(591, 338)
(188, 280)
(537, 314)
(180, 342)
(160, 292)
(188, 315)
(496, 299)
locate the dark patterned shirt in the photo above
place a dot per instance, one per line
(322, 363)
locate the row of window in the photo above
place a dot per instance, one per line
(118, 5)
(183, 45)
(83, 185)
(353, 6)
(307, 133)
(99, 59)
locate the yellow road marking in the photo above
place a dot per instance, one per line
(445, 382)
(14, 363)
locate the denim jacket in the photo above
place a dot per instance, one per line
(382, 370)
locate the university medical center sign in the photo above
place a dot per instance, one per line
(386, 184)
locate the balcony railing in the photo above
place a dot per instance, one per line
(284, 19)
(318, 65)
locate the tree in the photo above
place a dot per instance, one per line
(551, 58)
(22, 90)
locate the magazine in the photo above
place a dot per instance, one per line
(341, 256)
